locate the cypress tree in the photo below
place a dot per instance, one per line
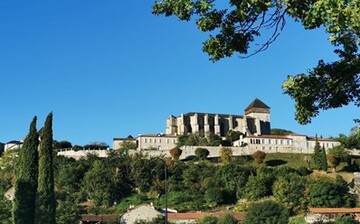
(317, 155)
(324, 165)
(46, 206)
(26, 179)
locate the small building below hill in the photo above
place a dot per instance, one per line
(13, 145)
(330, 214)
(192, 217)
(142, 212)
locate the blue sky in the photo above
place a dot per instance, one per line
(110, 68)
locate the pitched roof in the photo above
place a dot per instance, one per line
(199, 215)
(257, 104)
(212, 114)
(269, 136)
(334, 210)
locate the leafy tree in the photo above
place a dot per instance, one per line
(26, 178)
(67, 212)
(213, 139)
(195, 173)
(5, 210)
(228, 219)
(176, 153)
(140, 172)
(128, 146)
(242, 179)
(279, 131)
(62, 144)
(255, 188)
(353, 141)
(213, 196)
(96, 145)
(201, 153)
(226, 154)
(289, 190)
(345, 220)
(337, 155)
(197, 139)
(8, 164)
(232, 135)
(268, 212)
(325, 192)
(235, 28)
(98, 184)
(259, 156)
(46, 203)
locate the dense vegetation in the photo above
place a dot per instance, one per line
(110, 185)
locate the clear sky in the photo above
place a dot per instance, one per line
(110, 68)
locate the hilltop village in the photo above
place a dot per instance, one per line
(254, 128)
(225, 167)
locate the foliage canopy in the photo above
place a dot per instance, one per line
(236, 27)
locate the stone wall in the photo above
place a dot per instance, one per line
(77, 154)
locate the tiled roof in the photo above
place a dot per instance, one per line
(269, 136)
(159, 135)
(14, 142)
(125, 139)
(213, 114)
(199, 215)
(322, 139)
(257, 104)
(334, 210)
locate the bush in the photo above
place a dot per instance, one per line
(201, 153)
(226, 154)
(176, 153)
(259, 156)
(268, 212)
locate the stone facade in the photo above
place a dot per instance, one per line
(140, 213)
(256, 121)
(150, 141)
(13, 145)
(254, 124)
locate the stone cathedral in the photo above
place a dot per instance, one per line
(255, 121)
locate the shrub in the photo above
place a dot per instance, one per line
(176, 153)
(266, 212)
(259, 156)
(226, 154)
(201, 153)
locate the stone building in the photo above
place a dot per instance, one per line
(254, 124)
(256, 121)
(149, 141)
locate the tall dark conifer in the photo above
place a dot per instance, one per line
(324, 165)
(26, 179)
(46, 206)
(317, 155)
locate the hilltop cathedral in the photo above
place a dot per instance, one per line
(256, 121)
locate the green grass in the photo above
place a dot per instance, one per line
(297, 220)
(290, 159)
(135, 199)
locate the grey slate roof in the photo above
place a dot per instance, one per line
(257, 104)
